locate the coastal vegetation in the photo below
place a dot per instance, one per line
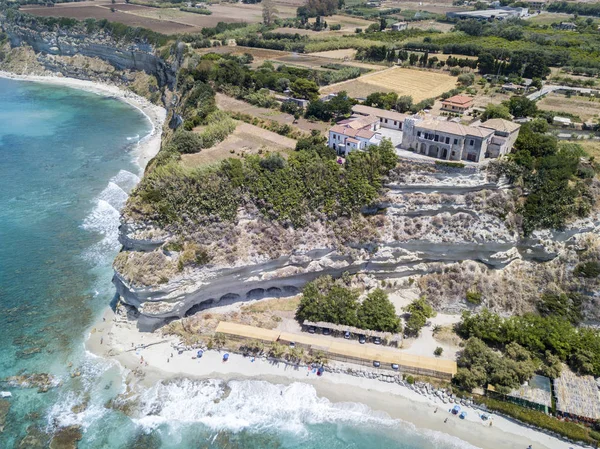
(334, 302)
(537, 342)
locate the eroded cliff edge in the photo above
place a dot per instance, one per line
(96, 51)
(449, 230)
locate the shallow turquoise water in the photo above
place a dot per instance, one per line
(65, 167)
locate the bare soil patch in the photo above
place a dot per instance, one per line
(100, 11)
(346, 53)
(584, 107)
(416, 83)
(245, 140)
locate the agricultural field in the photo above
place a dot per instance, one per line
(259, 54)
(548, 18)
(584, 107)
(431, 25)
(417, 83)
(346, 53)
(101, 10)
(162, 20)
(316, 61)
(437, 7)
(245, 140)
(348, 23)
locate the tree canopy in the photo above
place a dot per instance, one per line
(331, 301)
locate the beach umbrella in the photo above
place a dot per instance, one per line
(456, 409)
(200, 353)
(225, 357)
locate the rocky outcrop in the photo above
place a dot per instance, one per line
(425, 222)
(54, 44)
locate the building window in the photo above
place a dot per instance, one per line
(436, 138)
(455, 141)
(471, 142)
(447, 139)
(395, 123)
(418, 133)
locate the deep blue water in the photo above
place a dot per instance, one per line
(65, 167)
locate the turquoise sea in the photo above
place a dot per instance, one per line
(66, 165)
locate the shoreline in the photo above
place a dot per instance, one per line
(113, 339)
(149, 145)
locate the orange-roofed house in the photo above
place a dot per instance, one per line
(458, 104)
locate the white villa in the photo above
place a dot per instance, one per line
(354, 134)
(456, 142)
(426, 135)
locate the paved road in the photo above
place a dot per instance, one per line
(551, 88)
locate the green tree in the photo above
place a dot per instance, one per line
(495, 111)
(378, 313)
(486, 63)
(419, 311)
(404, 103)
(382, 100)
(521, 106)
(306, 89)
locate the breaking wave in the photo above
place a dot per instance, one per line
(262, 407)
(104, 217)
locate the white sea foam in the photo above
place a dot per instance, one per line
(89, 392)
(126, 180)
(262, 406)
(104, 217)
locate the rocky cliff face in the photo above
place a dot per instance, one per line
(428, 220)
(52, 45)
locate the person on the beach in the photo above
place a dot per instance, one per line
(446, 420)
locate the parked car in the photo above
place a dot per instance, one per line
(326, 331)
(377, 340)
(362, 339)
(292, 344)
(376, 364)
(347, 335)
(395, 366)
(312, 329)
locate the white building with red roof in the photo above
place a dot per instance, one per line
(354, 134)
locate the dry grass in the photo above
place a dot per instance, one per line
(416, 83)
(245, 140)
(592, 147)
(348, 23)
(346, 53)
(273, 305)
(433, 25)
(584, 107)
(231, 104)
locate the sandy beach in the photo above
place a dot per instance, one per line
(149, 145)
(122, 342)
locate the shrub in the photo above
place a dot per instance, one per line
(589, 269)
(410, 379)
(474, 297)
(419, 311)
(568, 429)
(438, 351)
